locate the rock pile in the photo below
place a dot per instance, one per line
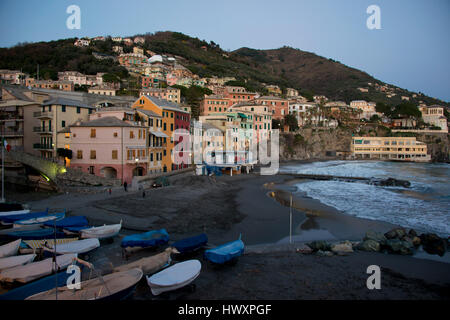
(399, 241)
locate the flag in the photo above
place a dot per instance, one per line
(7, 146)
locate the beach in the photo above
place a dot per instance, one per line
(257, 208)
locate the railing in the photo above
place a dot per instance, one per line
(46, 114)
(42, 129)
(42, 146)
(11, 133)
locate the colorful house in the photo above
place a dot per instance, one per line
(173, 117)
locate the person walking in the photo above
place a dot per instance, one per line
(125, 184)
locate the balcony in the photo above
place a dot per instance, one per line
(43, 130)
(41, 146)
(12, 133)
(43, 115)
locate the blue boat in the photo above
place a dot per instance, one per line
(37, 286)
(39, 234)
(225, 252)
(40, 220)
(191, 244)
(147, 239)
(10, 219)
(69, 222)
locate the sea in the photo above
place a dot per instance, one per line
(424, 206)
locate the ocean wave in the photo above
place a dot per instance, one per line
(378, 203)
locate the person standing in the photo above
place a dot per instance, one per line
(125, 184)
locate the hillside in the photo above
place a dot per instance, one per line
(286, 67)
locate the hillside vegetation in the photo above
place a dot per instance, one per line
(286, 67)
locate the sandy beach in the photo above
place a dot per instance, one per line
(257, 207)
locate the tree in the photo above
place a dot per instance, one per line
(291, 121)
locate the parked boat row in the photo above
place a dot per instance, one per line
(64, 239)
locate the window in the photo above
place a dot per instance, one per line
(78, 109)
(139, 134)
(165, 127)
(63, 108)
(115, 134)
(63, 123)
(151, 156)
(114, 154)
(93, 154)
(79, 154)
(93, 133)
(131, 134)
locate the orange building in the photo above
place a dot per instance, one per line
(173, 117)
(279, 107)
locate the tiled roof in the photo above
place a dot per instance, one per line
(66, 102)
(104, 122)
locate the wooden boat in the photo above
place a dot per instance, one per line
(174, 277)
(40, 244)
(14, 212)
(79, 247)
(69, 222)
(191, 244)
(10, 249)
(38, 234)
(4, 232)
(114, 286)
(21, 293)
(39, 220)
(103, 232)
(225, 252)
(11, 218)
(35, 270)
(145, 240)
(151, 264)
(14, 261)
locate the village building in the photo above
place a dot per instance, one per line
(390, 148)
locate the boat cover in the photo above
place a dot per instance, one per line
(192, 243)
(225, 252)
(147, 239)
(75, 221)
(40, 220)
(36, 234)
(17, 217)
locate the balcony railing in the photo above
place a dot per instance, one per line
(40, 114)
(11, 133)
(42, 129)
(41, 146)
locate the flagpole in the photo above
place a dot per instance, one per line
(3, 172)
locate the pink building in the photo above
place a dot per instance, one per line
(110, 144)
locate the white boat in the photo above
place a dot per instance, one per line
(113, 286)
(40, 244)
(14, 261)
(106, 231)
(10, 249)
(39, 220)
(79, 247)
(13, 213)
(174, 277)
(36, 270)
(151, 264)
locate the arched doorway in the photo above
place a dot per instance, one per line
(109, 172)
(138, 171)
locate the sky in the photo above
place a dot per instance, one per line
(411, 50)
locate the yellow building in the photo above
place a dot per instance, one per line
(55, 116)
(173, 118)
(390, 148)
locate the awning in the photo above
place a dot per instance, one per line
(242, 115)
(159, 134)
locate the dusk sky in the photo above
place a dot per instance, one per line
(411, 50)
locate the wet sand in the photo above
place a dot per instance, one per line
(258, 208)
